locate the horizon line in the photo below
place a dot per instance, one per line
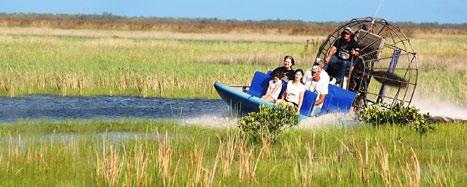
(109, 14)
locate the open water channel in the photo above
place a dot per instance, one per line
(105, 107)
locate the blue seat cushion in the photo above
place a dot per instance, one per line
(337, 100)
(309, 99)
(259, 84)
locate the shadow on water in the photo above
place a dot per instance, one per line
(105, 107)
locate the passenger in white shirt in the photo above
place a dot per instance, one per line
(317, 80)
(274, 88)
(295, 90)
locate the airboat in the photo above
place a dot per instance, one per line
(387, 73)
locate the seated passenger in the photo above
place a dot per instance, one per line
(295, 90)
(274, 88)
(317, 81)
(286, 69)
(308, 76)
(337, 61)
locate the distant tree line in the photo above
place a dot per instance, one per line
(111, 17)
(110, 21)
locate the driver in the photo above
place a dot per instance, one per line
(337, 61)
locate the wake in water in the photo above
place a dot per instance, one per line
(228, 120)
(329, 120)
(433, 107)
(436, 107)
(211, 120)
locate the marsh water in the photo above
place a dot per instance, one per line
(105, 107)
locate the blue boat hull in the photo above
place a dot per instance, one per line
(337, 100)
(239, 101)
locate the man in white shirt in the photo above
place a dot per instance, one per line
(317, 81)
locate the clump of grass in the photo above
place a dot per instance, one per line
(268, 123)
(397, 114)
(109, 165)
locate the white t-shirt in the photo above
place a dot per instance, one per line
(276, 88)
(293, 91)
(320, 87)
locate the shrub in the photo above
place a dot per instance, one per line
(268, 123)
(398, 114)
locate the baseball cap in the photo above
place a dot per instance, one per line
(315, 68)
(348, 30)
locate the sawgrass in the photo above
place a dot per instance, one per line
(107, 66)
(90, 64)
(155, 153)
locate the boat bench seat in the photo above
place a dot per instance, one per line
(259, 85)
(309, 99)
(337, 100)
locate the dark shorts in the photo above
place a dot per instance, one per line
(295, 104)
(337, 68)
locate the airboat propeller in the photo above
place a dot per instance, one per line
(388, 71)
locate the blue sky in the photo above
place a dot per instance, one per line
(442, 11)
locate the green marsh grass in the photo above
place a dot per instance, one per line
(165, 153)
(106, 66)
(83, 64)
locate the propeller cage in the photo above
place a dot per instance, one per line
(387, 72)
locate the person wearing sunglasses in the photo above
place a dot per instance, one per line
(337, 61)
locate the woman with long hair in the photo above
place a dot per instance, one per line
(295, 90)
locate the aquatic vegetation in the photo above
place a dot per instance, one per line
(268, 123)
(397, 114)
(163, 153)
